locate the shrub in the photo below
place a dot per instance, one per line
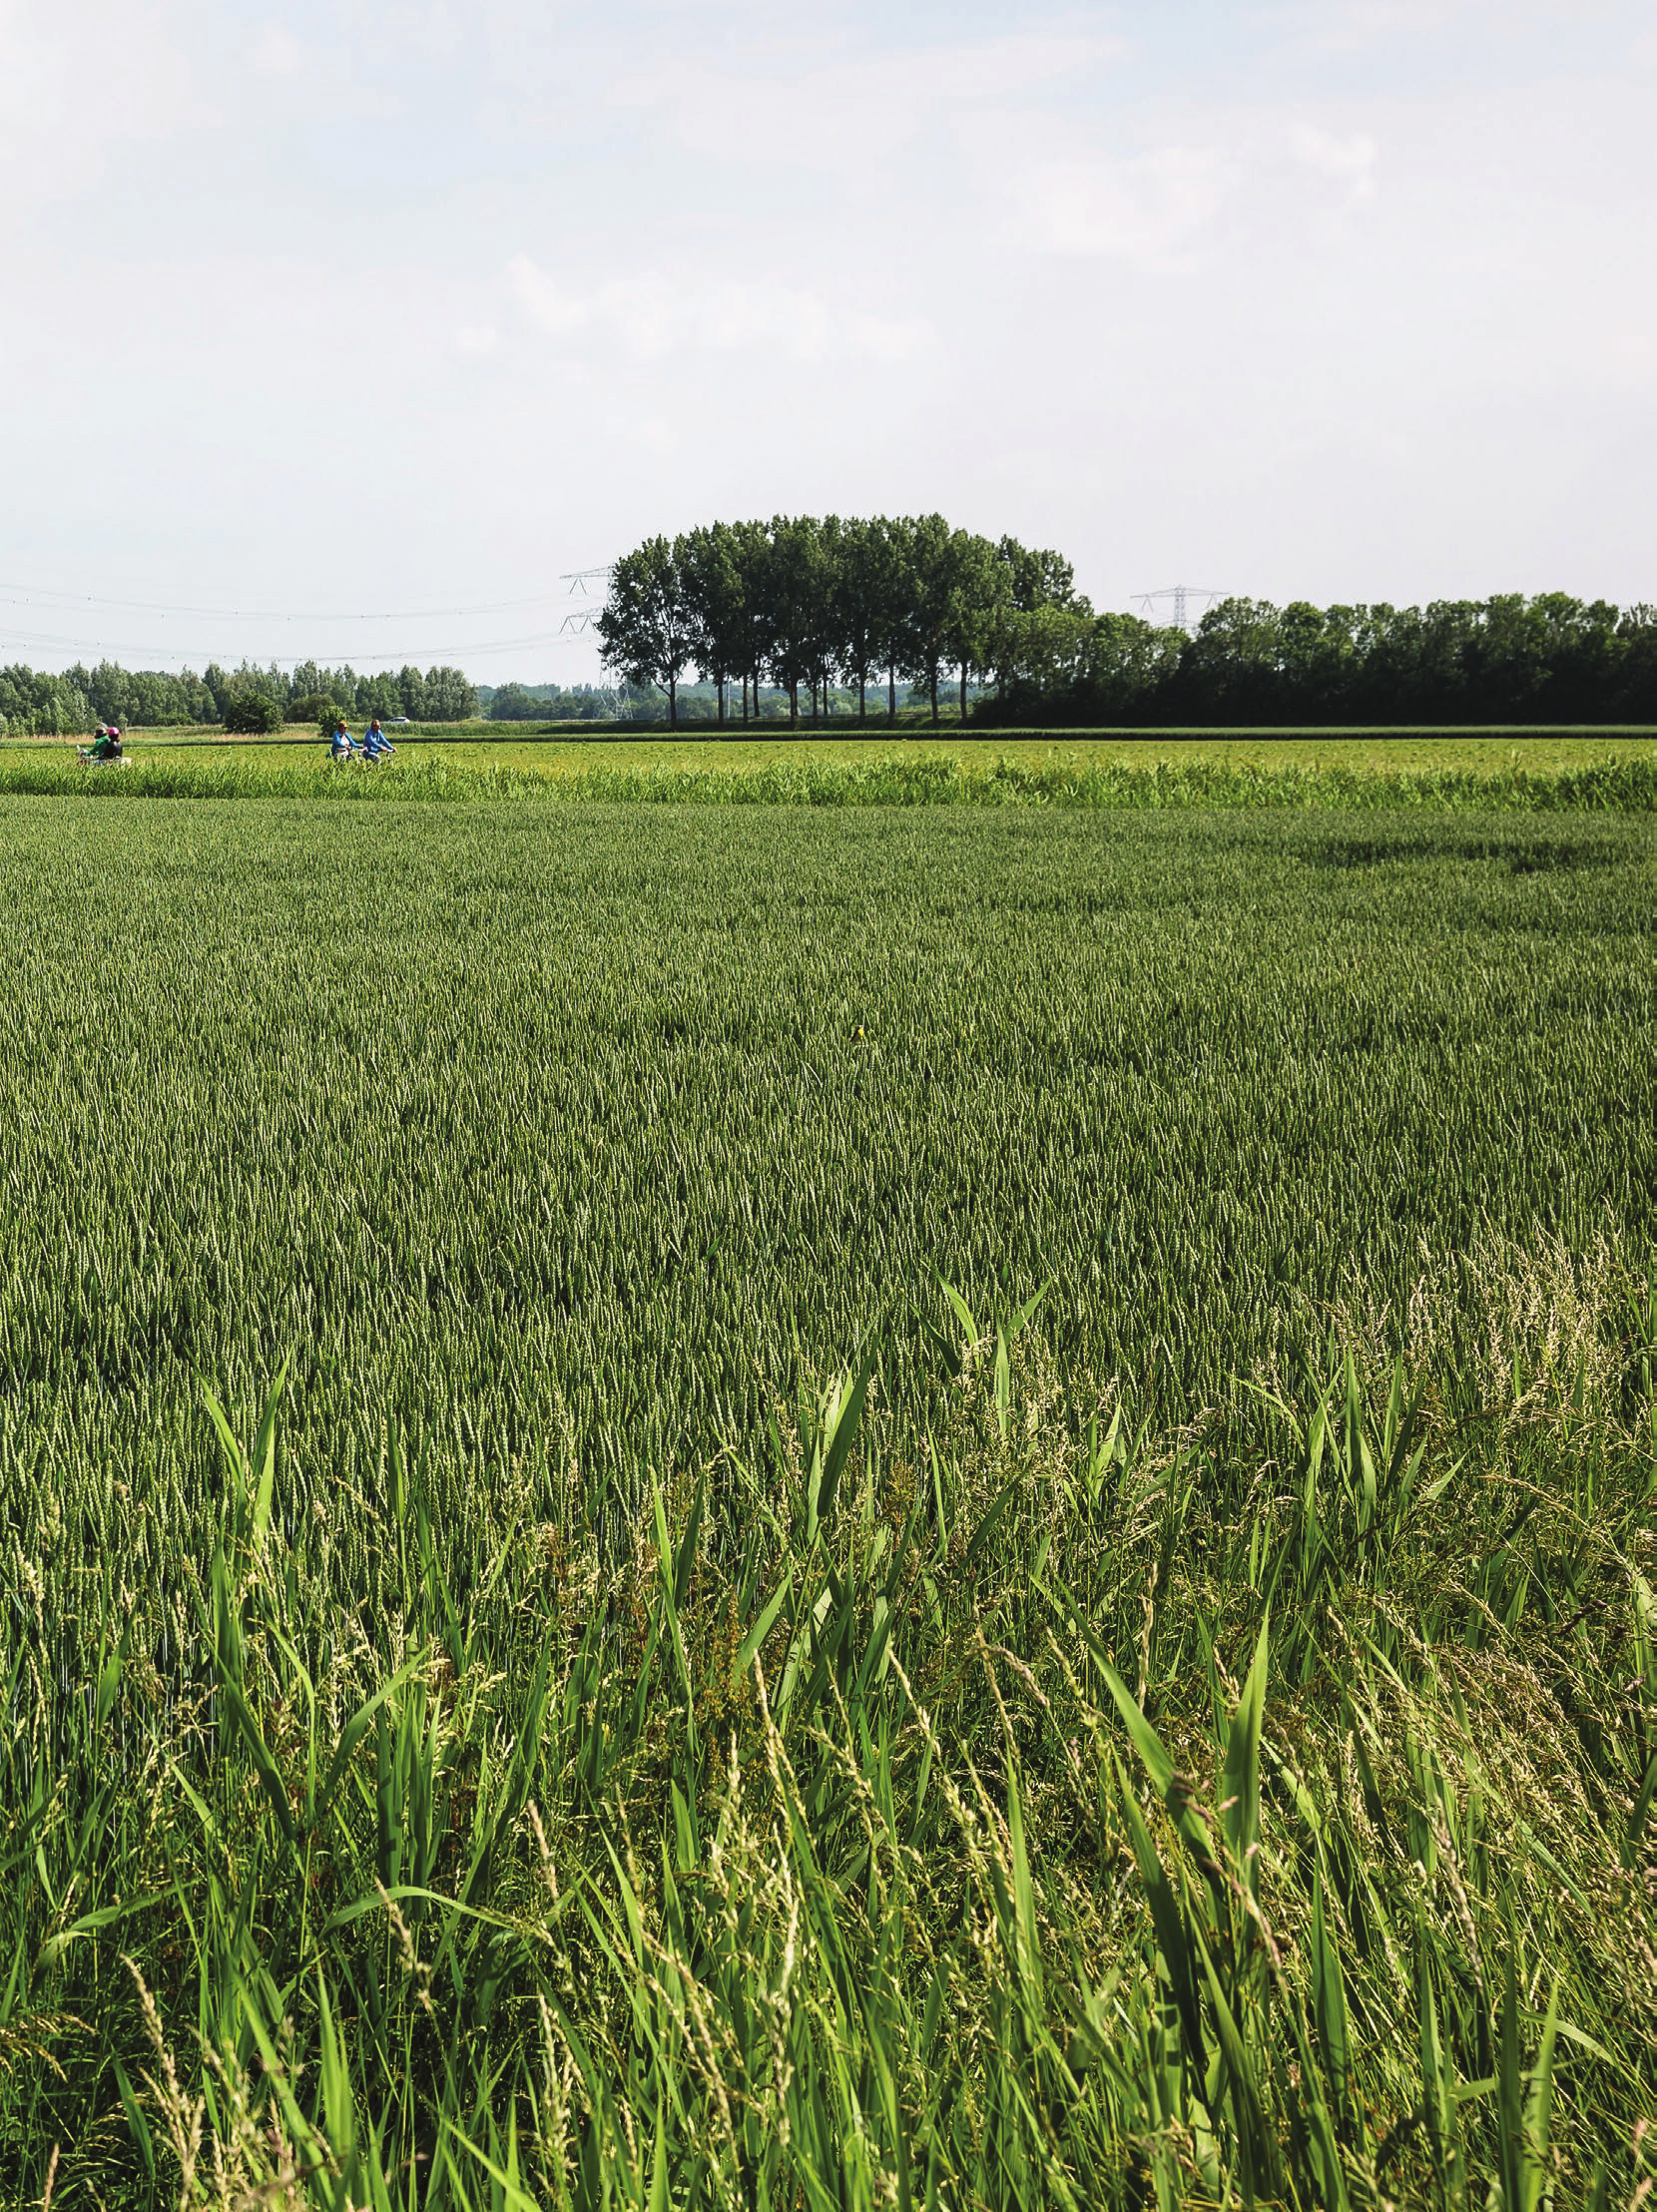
(250, 713)
(313, 707)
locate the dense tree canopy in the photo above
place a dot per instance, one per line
(1509, 659)
(34, 705)
(809, 601)
(803, 601)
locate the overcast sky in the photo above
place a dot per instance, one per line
(403, 307)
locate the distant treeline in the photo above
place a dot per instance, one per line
(695, 702)
(34, 705)
(1551, 659)
(566, 703)
(766, 611)
(808, 602)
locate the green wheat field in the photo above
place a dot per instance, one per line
(835, 1505)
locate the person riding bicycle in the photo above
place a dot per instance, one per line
(341, 747)
(376, 744)
(106, 746)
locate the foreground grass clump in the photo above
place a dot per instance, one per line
(1042, 1811)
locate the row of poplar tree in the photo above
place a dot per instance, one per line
(801, 602)
(804, 601)
(37, 705)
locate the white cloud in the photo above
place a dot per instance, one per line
(552, 310)
(1346, 26)
(474, 341)
(648, 314)
(276, 54)
(854, 101)
(890, 339)
(63, 68)
(1147, 208)
(1360, 22)
(1348, 161)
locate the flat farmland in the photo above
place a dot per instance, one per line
(956, 1499)
(622, 1108)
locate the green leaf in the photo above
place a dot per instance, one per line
(357, 1727)
(109, 1674)
(107, 1915)
(1240, 1783)
(264, 1462)
(1023, 1313)
(761, 1628)
(269, 1776)
(137, 2125)
(1539, 2106)
(234, 1459)
(1170, 1923)
(962, 1311)
(408, 1892)
(1513, 2166)
(1003, 1384)
(1328, 1998)
(844, 1434)
(1154, 1757)
(1642, 1809)
(664, 1566)
(991, 1516)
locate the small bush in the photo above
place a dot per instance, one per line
(249, 715)
(313, 707)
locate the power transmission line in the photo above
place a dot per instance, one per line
(580, 581)
(51, 601)
(1179, 617)
(79, 645)
(29, 594)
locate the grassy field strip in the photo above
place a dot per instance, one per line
(878, 778)
(960, 1510)
(1384, 753)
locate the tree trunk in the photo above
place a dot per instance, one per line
(892, 692)
(863, 694)
(745, 699)
(793, 704)
(719, 680)
(934, 694)
(673, 703)
(963, 695)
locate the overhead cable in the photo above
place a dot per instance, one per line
(28, 594)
